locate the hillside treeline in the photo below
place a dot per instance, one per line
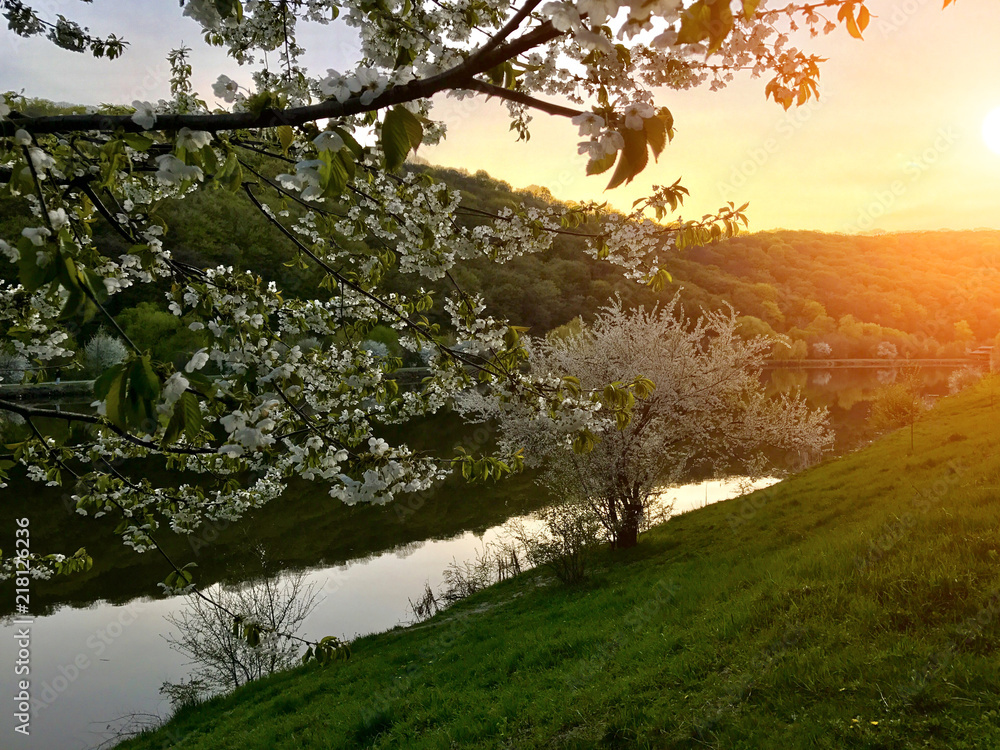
(919, 294)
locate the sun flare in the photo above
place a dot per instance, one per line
(991, 130)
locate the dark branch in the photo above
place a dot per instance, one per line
(521, 98)
(456, 78)
(509, 28)
(29, 412)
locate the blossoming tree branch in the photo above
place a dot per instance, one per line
(253, 408)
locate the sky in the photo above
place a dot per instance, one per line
(894, 143)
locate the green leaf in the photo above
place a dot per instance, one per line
(32, 275)
(115, 400)
(749, 8)
(694, 24)
(103, 384)
(350, 142)
(286, 137)
(633, 160)
(174, 426)
(192, 415)
(336, 173)
(137, 141)
(599, 166)
(401, 132)
(144, 380)
(656, 134)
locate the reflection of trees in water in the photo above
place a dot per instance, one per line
(887, 377)
(848, 392)
(221, 657)
(822, 377)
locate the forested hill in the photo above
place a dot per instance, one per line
(927, 293)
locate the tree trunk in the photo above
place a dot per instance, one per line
(628, 529)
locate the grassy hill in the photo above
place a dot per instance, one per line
(855, 605)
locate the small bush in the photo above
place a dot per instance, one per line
(569, 534)
(13, 368)
(377, 348)
(101, 352)
(961, 379)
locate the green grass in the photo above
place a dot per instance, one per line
(856, 605)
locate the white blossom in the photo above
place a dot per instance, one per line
(58, 218)
(328, 141)
(634, 115)
(193, 140)
(173, 171)
(37, 235)
(589, 123)
(144, 115)
(225, 88)
(198, 361)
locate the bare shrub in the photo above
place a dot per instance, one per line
(426, 605)
(569, 534)
(495, 562)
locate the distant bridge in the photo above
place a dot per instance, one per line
(873, 364)
(409, 378)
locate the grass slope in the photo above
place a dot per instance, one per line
(854, 606)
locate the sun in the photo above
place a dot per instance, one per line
(991, 130)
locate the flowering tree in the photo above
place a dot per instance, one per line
(247, 412)
(822, 349)
(705, 407)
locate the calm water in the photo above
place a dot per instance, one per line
(97, 651)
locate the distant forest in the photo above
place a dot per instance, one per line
(927, 294)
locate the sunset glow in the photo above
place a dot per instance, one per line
(991, 130)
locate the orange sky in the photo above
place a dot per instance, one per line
(894, 142)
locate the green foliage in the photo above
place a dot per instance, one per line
(401, 132)
(161, 333)
(131, 390)
(851, 292)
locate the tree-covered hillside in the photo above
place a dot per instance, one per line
(926, 293)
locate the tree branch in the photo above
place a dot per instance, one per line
(455, 78)
(28, 412)
(521, 98)
(509, 28)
